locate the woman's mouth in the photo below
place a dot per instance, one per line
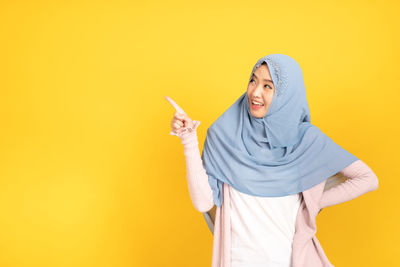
(256, 105)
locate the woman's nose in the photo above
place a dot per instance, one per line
(257, 91)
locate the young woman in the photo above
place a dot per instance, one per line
(266, 172)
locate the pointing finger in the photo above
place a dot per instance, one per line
(175, 105)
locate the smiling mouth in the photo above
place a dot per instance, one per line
(257, 103)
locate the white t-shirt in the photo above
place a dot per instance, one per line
(262, 229)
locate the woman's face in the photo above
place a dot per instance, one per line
(261, 90)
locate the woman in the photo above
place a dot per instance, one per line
(266, 172)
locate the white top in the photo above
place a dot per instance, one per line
(262, 229)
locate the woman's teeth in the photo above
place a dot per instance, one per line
(258, 104)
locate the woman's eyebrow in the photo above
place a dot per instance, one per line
(264, 79)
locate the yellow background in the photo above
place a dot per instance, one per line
(89, 175)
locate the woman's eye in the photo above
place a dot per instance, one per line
(269, 86)
(251, 80)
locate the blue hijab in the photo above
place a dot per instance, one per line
(277, 155)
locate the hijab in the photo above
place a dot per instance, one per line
(277, 155)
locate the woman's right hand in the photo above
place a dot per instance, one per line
(180, 120)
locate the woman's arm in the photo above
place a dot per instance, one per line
(199, 188)
(361, 180)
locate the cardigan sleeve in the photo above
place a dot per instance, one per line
(199, 188)
(361, 180)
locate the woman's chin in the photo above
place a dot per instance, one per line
(257, 114)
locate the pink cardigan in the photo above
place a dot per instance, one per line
(307, 251)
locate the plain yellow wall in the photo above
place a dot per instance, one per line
(89, 175)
